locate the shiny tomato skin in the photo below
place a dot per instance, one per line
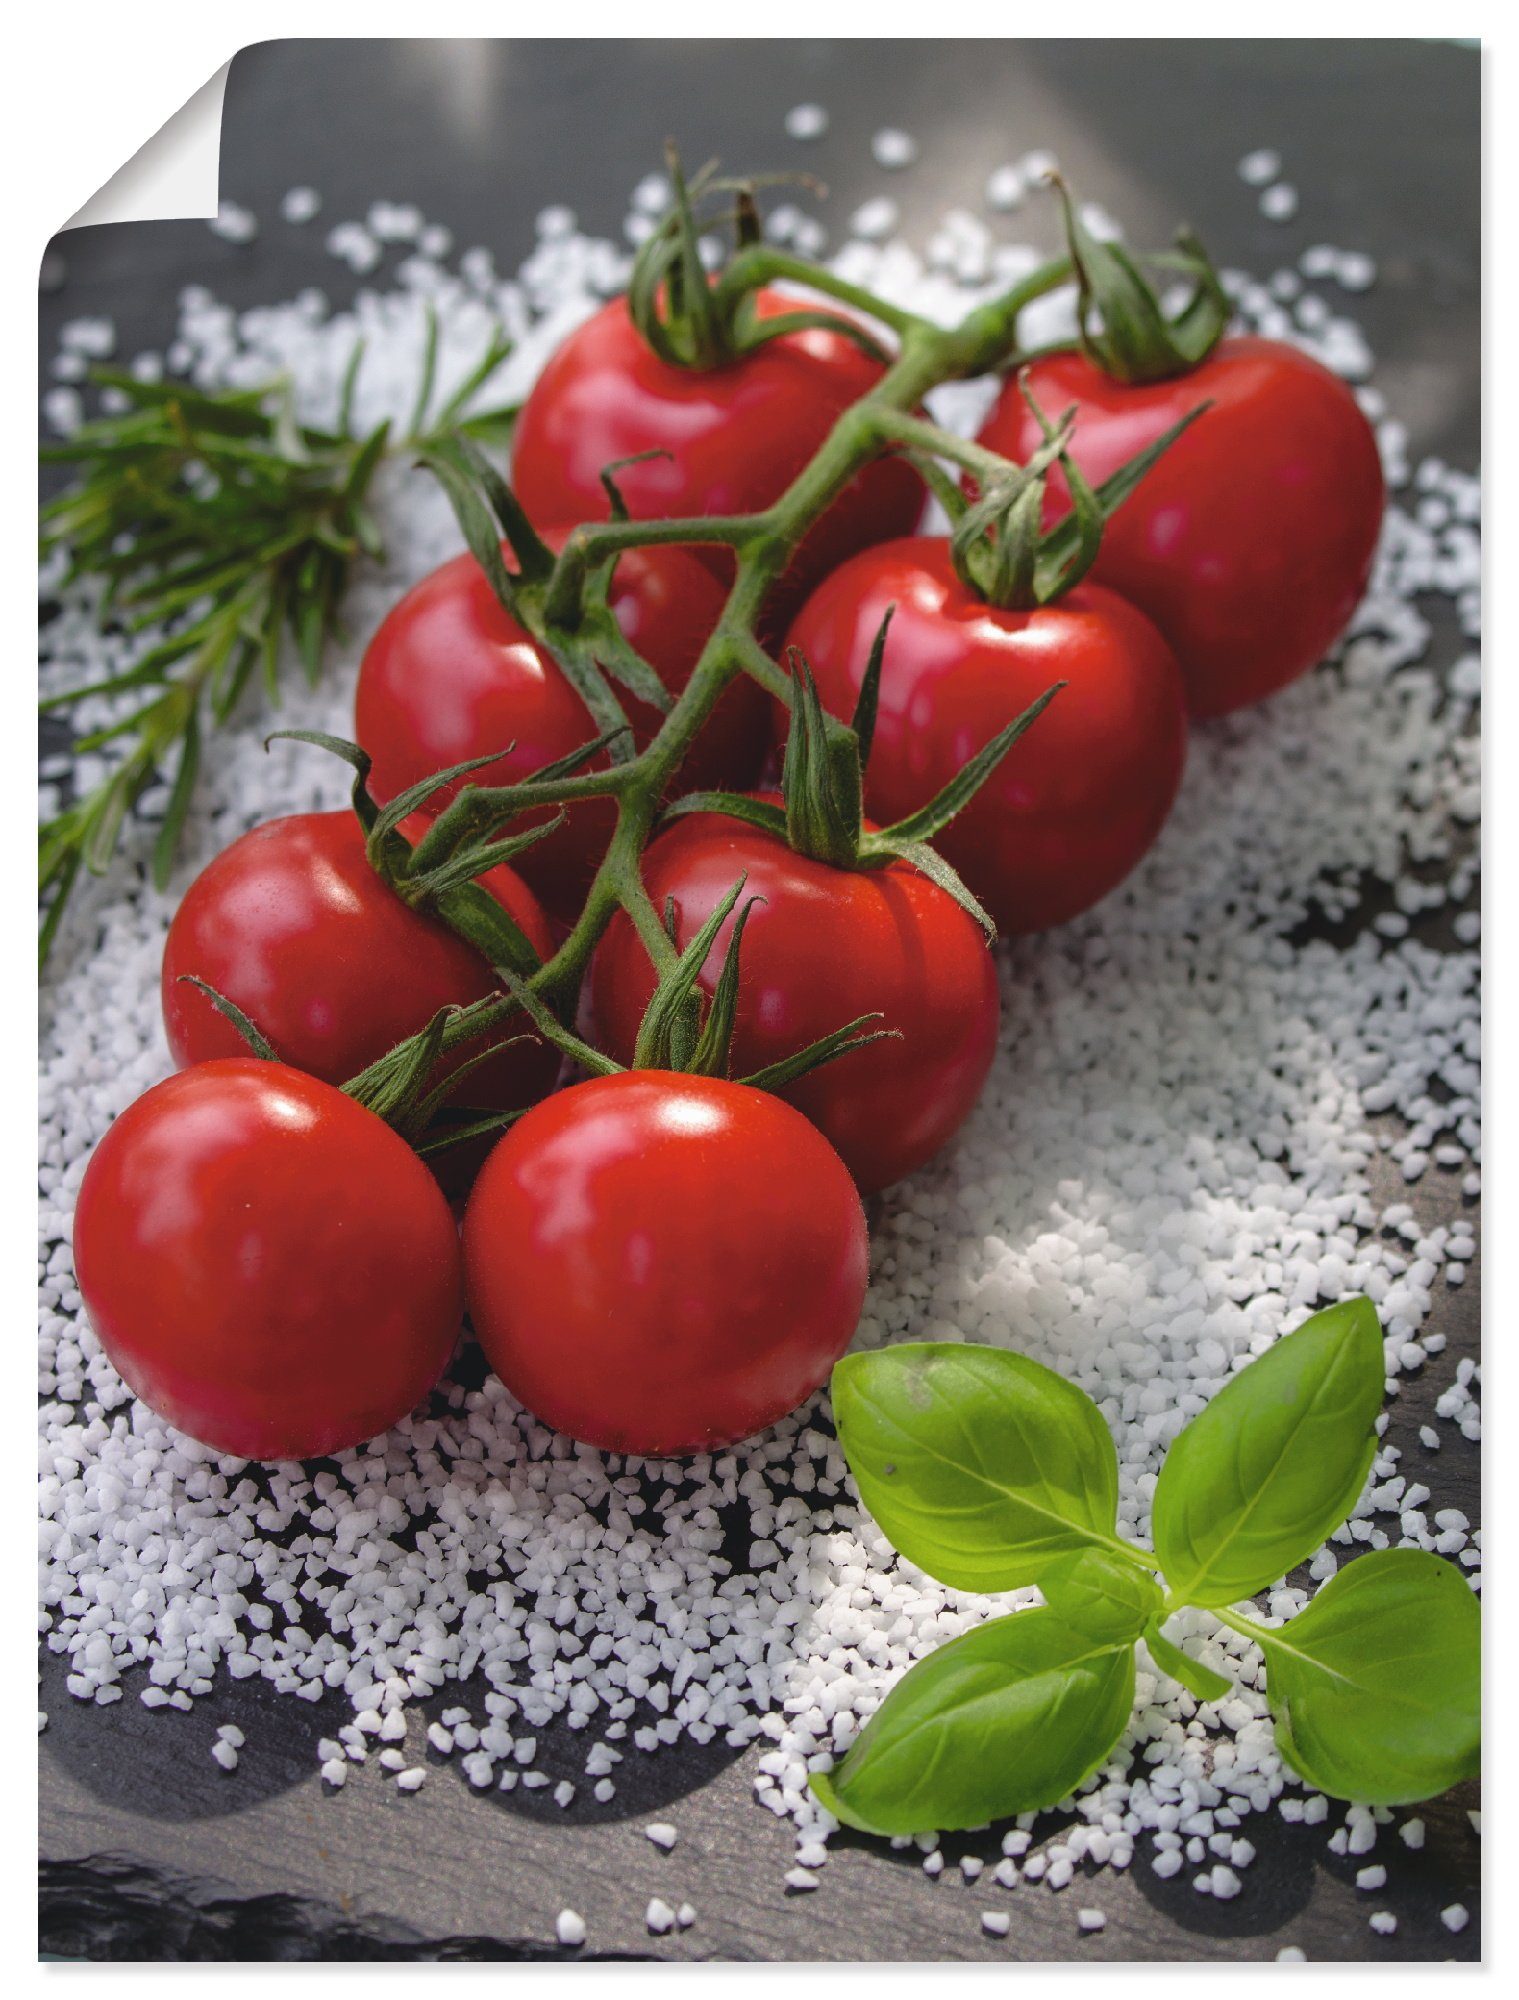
(292, 924)
(738, 436)
(1250, 542)
(822, 946)
(449, 675)
(1074, 804)
(661, 1264)
(266, 1264)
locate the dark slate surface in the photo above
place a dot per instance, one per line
(148, 1850)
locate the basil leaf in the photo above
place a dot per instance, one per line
(1106, 1597)
(1376, 1685)
(1008, 1719)
(981, 1466)
(1274, 1463)
(1192, 1674)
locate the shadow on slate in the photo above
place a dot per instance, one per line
(106, 1908)
(646, 1781)
(157, 1762)
(1268, 1899)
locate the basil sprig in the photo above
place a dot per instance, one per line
(990, 1472)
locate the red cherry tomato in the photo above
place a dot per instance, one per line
(266, 1264)
(663, 1264)
(1079, 799)
(449, 675)
(292, 924)
(1250, 543)
(737, 437)
(823, 946)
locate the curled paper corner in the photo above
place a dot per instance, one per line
(175, 175)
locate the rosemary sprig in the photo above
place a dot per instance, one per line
(229, 530)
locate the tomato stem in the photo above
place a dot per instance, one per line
(568, 613)
(763, 544)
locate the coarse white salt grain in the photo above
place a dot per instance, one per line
(877, 217)
(996, 1923)
(394, 221)
(353, 245)
(659, 1917)
(300, 204)
(1360, 1830)
(412, 1780)
(1384, 1923)
(230, 1733)
(235, 224)
(1091, 1920)
(1374, 1877)
(1005, 187)
(569, 1927)
(335, 1773)
(224, 1754)
(806, 121)
(893, 149)
(801, 1879)
(1259, 167)
(662, 1834)
(1411, 1833)
(1455, 1917)
(1292, 1954)
(1279, 203)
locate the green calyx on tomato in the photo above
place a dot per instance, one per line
(672, 301)
(403, 1088)
(412, 1083)
(445, 883)
(1136, 341)
(822, 811)
(562, 602)
(999, 545)
(681, 1035)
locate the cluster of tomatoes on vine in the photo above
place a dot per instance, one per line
(666, 1257)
